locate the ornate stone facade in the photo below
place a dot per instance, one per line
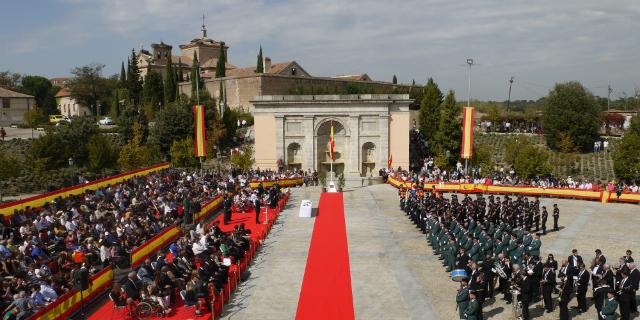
(368, 129)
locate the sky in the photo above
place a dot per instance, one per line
(538, 42)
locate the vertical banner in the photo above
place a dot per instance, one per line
(467, 133)
(389, 161)
(200, 149)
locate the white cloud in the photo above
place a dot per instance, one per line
(413, 39)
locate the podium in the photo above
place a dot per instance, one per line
(305, 209)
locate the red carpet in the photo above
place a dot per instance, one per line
(258, 232)
(326, 287)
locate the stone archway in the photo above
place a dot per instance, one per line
(340, 151)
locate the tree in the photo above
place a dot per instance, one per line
(221, 66)
(134, 83)
(122, 82)
(48, 152)
(76, 135)
(134, 154)
(216, 130)
(102, 154)
(169, 83)
(571, 109)
(182, 155)
(129, 116)
(494, 115)
(484, 158)
(394, 80)
(34, 117)
(260, 63)
(195, 77)
(449, 135)
(532, 161)
(10, 167)
(10, 80)
(42, 91)
(88, 87)
(430, 110)
(152, 90)
(173, 122)
(243, 159)
(180, 72)
(626, 158)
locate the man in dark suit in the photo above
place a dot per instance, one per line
(625, 295)
(582, 285)
(600, 295)
(634, 276)
(556, 217)
(526, 294)
(548, 284)
(132, 286)
(566, 292)
(574, 259)
(227, 205)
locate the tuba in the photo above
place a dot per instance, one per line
(499, 269)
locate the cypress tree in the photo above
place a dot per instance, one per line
(195, 75)
(260, 63)
(394, 80)
(449, 135)
(123, 76)
(221, 65)
(169, 82)
(430, 110)
(152, 92)
(180, 74)
(134, 83)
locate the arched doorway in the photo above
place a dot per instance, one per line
(323, 157)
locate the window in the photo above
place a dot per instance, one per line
(6, 103)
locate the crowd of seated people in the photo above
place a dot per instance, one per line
(41, 247)
(194, 269)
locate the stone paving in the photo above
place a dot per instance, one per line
(393, 270)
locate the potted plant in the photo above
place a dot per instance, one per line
(341, 182)
(322, 176)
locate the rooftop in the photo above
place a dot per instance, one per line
(6, 93)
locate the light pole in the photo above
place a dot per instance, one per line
(470, 63)
(509, 97)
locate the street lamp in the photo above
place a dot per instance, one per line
(470, 63)
(509, 97)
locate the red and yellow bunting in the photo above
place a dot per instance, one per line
(200, 148)
(331, 143)
(467, 133)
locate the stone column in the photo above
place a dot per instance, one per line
(354, 162)
(280, 147)
(383, 150)
(308, 160)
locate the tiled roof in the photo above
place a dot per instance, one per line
(276, 68)
(64, 92)
(6, 93)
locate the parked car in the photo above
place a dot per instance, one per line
(57, 118)
(106, 121)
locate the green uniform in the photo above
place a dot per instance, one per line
(534, 247)
(609, 309)
(462, 299)
(471, 313)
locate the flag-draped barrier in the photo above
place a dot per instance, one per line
(8, 209)
(62, 307)
(602, 196)
(170, 234)
(284, 182)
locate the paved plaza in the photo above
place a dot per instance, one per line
(393, 271)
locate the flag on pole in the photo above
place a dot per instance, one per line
(390, 161)
(331, 143)
(200, 148)
(467, 133)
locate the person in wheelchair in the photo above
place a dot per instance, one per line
(152, 295)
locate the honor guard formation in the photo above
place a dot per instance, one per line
(492, 246)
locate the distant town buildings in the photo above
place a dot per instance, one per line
(13, 106)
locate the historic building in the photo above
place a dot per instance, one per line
(369, 130)
(69, 106)
(13, 106)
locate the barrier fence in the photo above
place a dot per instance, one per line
(70, 302)
(285, 182)
(7, 209)
(602, 196)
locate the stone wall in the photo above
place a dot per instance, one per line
(241, 90)
(14, 112)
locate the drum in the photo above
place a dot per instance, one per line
(458, 274)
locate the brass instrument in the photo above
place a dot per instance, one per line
(498, 269)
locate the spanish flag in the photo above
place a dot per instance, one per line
(331, 143)
(467, 133)
(200, 148)
(389, 161)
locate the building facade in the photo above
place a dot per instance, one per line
(13, 106)
(369, 130)
(69, 106)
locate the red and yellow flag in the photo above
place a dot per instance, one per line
(389, 161)
(331, 143)
(200, 148)
(467, 133)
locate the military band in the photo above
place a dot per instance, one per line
(496, 241)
